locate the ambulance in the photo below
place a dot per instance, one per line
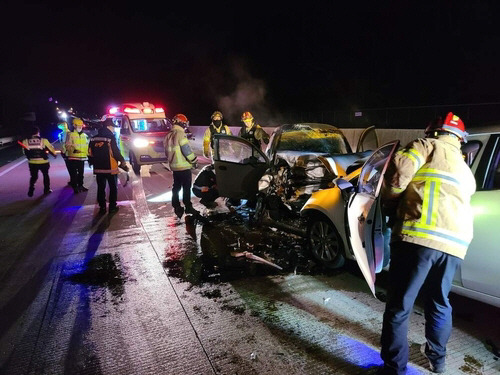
(140, 129)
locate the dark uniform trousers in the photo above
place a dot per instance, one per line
(76, 169)
(44, 168)
(182, 179)
(413, 266)
(101, 179)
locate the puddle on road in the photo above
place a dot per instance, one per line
(103, 270)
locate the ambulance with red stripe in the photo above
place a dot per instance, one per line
(140, 129)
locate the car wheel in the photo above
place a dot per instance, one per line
(135, 166)
(325, 244)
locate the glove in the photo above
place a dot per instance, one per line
(123, 166)
(194, 165)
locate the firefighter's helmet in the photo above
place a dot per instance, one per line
(217, 114)
(246, 116)
(451, 124)
(181, 120)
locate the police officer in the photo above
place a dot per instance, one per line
(104, 156)
(215, 127)
(181, 160)
(427, 187)
(252, 131)
(35, 149)
(77, 145)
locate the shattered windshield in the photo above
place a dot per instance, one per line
(314, 140)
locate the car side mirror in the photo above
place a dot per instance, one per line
(343, 184)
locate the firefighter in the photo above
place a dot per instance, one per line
(181, 160)
(252, 131)
(104, 156)
(215, 127)
(35, 149)
(63, 137)
(427, 190)
(77, 144)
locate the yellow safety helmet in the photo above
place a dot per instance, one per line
(217, 113)
(246, 116)
(77, 121)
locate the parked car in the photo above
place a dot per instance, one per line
(346, 221)
(279, 181)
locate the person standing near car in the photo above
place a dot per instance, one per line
(35, 149)
(215, 127)
(77, 145)
(251, 131)
(427, 191)
(181, 160)
(104, 156)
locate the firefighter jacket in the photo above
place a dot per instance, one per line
(77, 145)
(36, 148)
(208, 137)
(255, 134)
(178, 151)
(432, 187)
(104, 153)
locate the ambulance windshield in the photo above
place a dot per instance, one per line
(149, 125)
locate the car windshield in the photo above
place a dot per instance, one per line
(149, 125)
(315, 140)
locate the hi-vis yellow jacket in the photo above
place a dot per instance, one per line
(36, 148)
(208, 137)
(432, 185)
(179, 153)
(77, 145)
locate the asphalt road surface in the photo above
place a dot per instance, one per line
(143, 292)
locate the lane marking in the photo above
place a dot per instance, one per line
(11, 168)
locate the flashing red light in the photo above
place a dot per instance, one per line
(113, 110)
(131, 110)
(159, 110)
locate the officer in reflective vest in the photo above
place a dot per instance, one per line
(427, 187)
(181, 160)
(77, 145)
(36, 149)
(215, 127)
(252, 131)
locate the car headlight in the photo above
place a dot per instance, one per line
(141, 142)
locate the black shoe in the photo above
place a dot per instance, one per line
(102, 210)
(47, 192)
(191, 211)
(179, 211)
(82, 188)
(113, 209)
(75, 190)
(31, 191)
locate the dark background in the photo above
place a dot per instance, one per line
(279, 61)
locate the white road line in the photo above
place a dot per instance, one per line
(11, 168)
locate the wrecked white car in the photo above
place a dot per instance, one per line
(279, 181)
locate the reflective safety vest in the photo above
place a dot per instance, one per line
(255, 135)
(433, 186)
(178, 151)
(208, 137)
(77, 145)
(35, 149)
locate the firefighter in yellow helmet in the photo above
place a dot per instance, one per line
(181, 160)
(252, 131)
(427, 189)
(215, 127)
(36, 149)
(77, 145)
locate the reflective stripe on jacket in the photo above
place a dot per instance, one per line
(77, 145)
(255, 134)
(104, 153)
(178, 151)
(35, 149)
(433, 186)
(208, 143)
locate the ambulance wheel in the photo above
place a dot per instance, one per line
(324, 243)
(135, 166)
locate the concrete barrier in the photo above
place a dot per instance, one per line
(6, 140)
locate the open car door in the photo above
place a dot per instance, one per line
(364, 214)
(238, 166)
(368, 140)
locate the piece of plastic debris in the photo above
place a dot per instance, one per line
(325, 300)
(255, 258)
(253, 356)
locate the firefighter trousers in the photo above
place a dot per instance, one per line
(101, 179)
(182, 179)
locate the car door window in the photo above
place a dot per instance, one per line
(238, 152)
(493, 177)
(370, 177)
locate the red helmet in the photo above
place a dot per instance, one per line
(451, 124)
(180, 119)
(246, 116)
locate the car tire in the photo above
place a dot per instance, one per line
(325, 244)
(135, 166)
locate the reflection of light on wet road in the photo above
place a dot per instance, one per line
(165, 197)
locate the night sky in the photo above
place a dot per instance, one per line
(270, 59)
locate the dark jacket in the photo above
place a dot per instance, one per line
(104, 153)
